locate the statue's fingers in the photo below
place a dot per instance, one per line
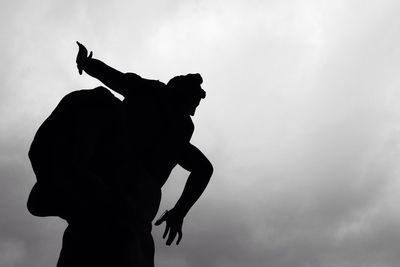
(82, 49)
(162, 218)
(171, 237)
(81, 46)
(167, 229)
(179, 237)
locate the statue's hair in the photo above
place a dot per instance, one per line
(187, 85)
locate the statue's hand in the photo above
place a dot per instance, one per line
(82, 57)
(173, 226)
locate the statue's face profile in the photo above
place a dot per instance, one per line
(190, 102)
(193, 104)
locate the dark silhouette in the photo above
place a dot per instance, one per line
(100, 164)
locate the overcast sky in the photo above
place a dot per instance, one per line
(301, 122)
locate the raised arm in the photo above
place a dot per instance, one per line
(110, 77)
(201, 170)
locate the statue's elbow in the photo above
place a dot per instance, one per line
(208, 169)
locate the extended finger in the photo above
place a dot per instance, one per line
(81, 46)
(160, 221)
(179, 237)
(91, 54)
(167, 229)
(171, 237)
(162, 218)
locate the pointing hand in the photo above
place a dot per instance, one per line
(82, 57)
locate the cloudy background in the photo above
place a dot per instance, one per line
(301, 121)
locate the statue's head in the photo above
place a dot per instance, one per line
(186, 92)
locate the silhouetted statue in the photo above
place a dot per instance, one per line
(109, 160)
